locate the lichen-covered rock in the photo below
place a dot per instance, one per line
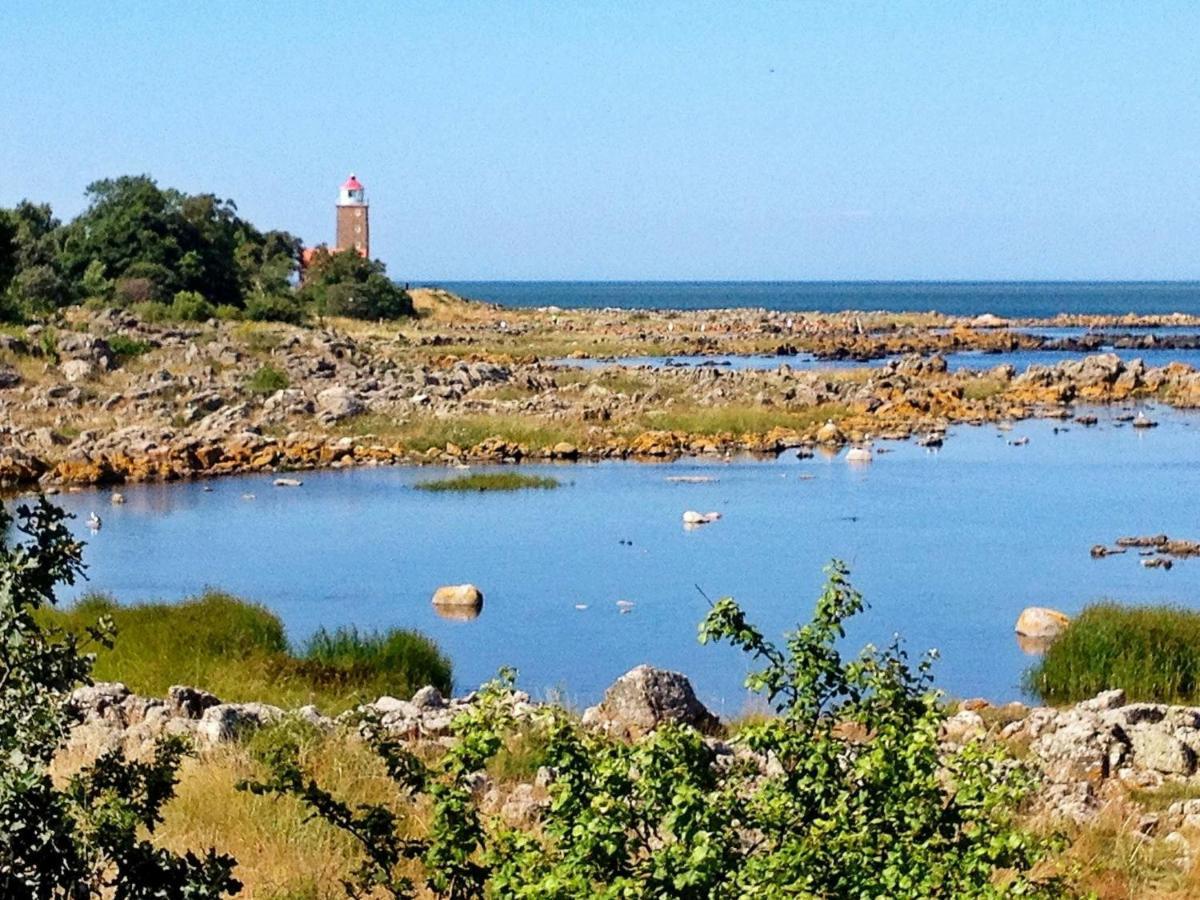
(227, 722)
(643, 699)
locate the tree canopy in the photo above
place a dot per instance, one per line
(139, 243)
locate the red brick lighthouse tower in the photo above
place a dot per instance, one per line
(353, 218)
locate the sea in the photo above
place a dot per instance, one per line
(1013, 299)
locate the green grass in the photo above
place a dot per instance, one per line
(1151, 652)
(489, 481)
(266, 380)
(426, 432)
(739, 419)
(239, 651)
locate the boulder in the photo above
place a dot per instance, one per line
(339, 403)
(93, 700)
(1041, 622)
(190, 702)
(564, 450)
(459, 596)
(643, 699)
(1159, 749)
(428, 697)
(227, 722)
(829, 433)
(76, 370)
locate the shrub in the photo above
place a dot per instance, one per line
(275, 308)
(190, 306)
(267, 380)
(228, 313)
(151, 311)
(91, 837)
(489, 481)
(1152, 652)
(127, 348)
(845, 792)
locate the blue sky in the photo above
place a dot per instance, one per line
(688, 140)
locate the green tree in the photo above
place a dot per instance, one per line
(8, 248)
(347, 284)
(844, 792)
(86, 839)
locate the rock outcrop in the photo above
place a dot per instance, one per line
(645, 698)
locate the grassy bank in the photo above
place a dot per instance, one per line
(239, 651)
(1152, 652)
(489, 481)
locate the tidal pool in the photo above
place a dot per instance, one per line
(948, 546)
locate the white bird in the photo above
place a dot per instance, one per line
(93, 522)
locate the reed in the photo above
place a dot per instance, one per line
(240, 652)
(1151, 652)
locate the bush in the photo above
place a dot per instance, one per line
(346, 284)
(844, 792)
(127, 348)
(267, 380)
(91, 837)
(275, 308)
(190, 306)
(151, 311)
(1152, 652)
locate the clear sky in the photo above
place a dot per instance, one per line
(574, 140)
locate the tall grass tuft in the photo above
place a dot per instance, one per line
(240, 652)
(489, 481)
(398, 661)
(1151, 652)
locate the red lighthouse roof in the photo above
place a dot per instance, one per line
(352, 184)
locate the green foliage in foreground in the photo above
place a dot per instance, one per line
(845, 792)
(87, 839)
(1152, 652)
(239, 651)
(489, 481)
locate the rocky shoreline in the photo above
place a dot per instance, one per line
(103, 398)
(1090, 756)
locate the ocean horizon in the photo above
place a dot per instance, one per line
(1013, 299)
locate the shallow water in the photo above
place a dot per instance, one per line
(948, 546)
(973, 360)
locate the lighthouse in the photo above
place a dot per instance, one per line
(353, 218)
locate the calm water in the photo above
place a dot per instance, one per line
(972, 360)
(948, 546)
(1017, 299)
